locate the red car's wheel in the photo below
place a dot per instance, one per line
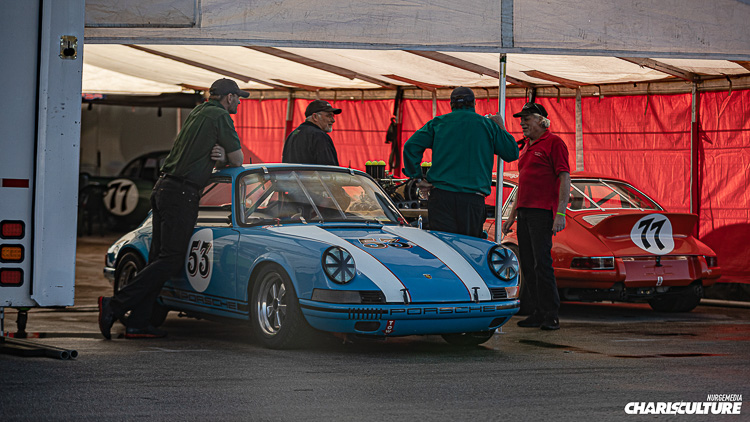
(680, 302)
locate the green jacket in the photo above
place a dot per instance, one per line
(207, 125)
(464, 145)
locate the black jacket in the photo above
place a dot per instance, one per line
(309, 144)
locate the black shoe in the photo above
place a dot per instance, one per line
(535, 320)
(550, 323)
(106, 316)
(148, 332)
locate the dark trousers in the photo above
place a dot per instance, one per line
(174, 212)
(534, 227)
(456, 212)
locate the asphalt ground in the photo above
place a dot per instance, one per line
(604, 357)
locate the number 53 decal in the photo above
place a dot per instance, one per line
(199, 261)
(653, 233)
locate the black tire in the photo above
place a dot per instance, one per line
(682, 302)
(468, 339)
(525, 308)
(276, 318)
(127, 267)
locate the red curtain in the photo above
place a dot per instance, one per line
(642, 139)
(725, 180)
(261, 125)
(358, 134)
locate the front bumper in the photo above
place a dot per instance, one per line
(411, 319)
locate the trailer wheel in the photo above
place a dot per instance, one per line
(127, 268)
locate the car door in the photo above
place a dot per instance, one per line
(509, 196)
(208, 283)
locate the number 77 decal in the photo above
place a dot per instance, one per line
(653, 234)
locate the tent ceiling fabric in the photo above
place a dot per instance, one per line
(644, 28)
(125, 69)
(154, 46)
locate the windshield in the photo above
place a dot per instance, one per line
(312, 196)
(606, 195)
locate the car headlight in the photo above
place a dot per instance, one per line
(503, 262)
(338, 264)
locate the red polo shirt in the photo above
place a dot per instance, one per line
(538, 167)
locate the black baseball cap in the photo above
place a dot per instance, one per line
(462, 94)
(227, 86)
(319, 105)
(531, 108)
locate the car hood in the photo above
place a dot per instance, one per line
(657, 233)
(406, 263)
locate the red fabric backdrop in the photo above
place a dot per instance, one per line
(642, 139)
(358, 134)
(725, 173)
(261, 126)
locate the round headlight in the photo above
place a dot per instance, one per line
(338, 264)
(503, 262)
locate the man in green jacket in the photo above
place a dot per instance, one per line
(208, 139)
(464, 145)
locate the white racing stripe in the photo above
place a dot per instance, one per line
(448, 255)
(366, 263)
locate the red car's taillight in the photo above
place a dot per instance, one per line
(711, 261)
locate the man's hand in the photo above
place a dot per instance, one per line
(559, 224)
(507, 224)
(219, 155)
(498, 119)
(424, 187)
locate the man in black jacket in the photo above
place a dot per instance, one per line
(310, 143)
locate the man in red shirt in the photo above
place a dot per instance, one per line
(543, 191)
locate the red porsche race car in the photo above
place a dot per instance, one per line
(620, 245)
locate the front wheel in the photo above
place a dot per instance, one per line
(127, 268)
(276, 318)
(680, 302)
(468, 339)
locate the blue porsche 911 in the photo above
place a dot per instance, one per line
(296, 247)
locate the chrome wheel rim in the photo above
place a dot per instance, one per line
(127, 272)
(271, 304)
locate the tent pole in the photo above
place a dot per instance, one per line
(694, 157)
(289, 114)
(179, 119)
(579, 131)
(397, 112)
(499, 178)
(434, 103)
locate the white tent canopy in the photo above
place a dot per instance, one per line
(127, 69)
(154, 46)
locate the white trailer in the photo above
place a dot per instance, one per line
(39, 151)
